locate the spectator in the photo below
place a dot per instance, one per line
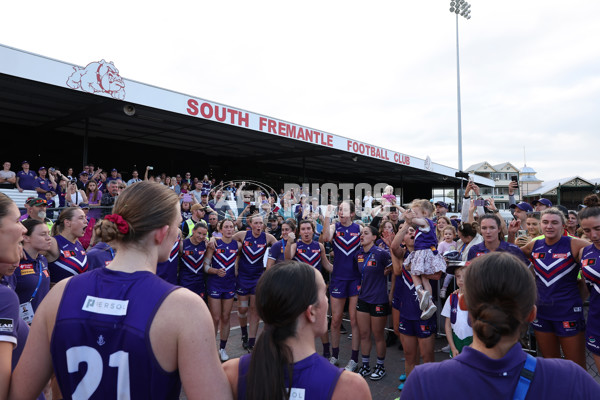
(94, 197)
(43, 184)
(8, 179)
(520, 211)
(541, 204)
(83, 180)
(441, 209)
(273, 227)
(205, 184)
(572, 223)
(37, 210)
(25, 178)
(70, 174)
(221, 207)
(213, 221)
(108, 198)
(185, 187)
(50, 203)
(74, 196)
(188, 178)
(187, 226)
(198, 191)
(134, 178)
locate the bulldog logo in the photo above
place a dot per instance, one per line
(98, 76)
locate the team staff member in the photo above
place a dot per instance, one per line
(345, 280)
(219, 265)
(499, 294)
(373, 263)
(560, 322)
(153, 337)
(32, 280)
(590, 265)
(67, 256)
(292, 301)
(249, 269)
(277, 251)
(193, 249)
(493, 240)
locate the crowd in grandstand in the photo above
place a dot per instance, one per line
(94, 263)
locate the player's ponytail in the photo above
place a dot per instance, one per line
(500, 293)
(283, 293)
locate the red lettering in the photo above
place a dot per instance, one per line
(395, 157)
(192, 107)
(355, 147)
(386, 155)
(281, 130)
(361, 148)
(291, 130)
(301, 134)
(272, 126)
(220, 118)
(206, 114)
(348, 144)
(232, 113)
(407, 160)
(243, 118)
(309, 136)
(262, 122)
(329, 140)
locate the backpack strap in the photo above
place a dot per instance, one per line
(525, 378)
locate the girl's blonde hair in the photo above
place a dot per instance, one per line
(424, 205)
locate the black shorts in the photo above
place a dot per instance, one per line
(374, 310)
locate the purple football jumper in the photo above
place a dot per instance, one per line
(101, 340)
(346, 242)
(191, 274)
(250, 265)
(223, 257)
(309, 253)
(72, 260)
(426, 240)
(277, 252)
(100, 256)
(312, 378)
(27, 277)
(168, 269)
(590, 268)
(556, 279)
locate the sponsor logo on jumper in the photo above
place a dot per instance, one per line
(6, 324)
(98, 77)
(100, 305)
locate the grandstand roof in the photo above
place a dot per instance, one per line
(43, 96)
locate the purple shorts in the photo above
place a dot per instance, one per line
(417, 327)
(560, 328)
(245, 291)
(341, 289)
(217, 294)
(396, 303)
(592, 342)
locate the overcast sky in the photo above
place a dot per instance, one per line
(383, 72)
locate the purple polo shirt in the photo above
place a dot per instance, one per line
(480, 249)
(44, 184)
(26, 179)
(472, 375)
